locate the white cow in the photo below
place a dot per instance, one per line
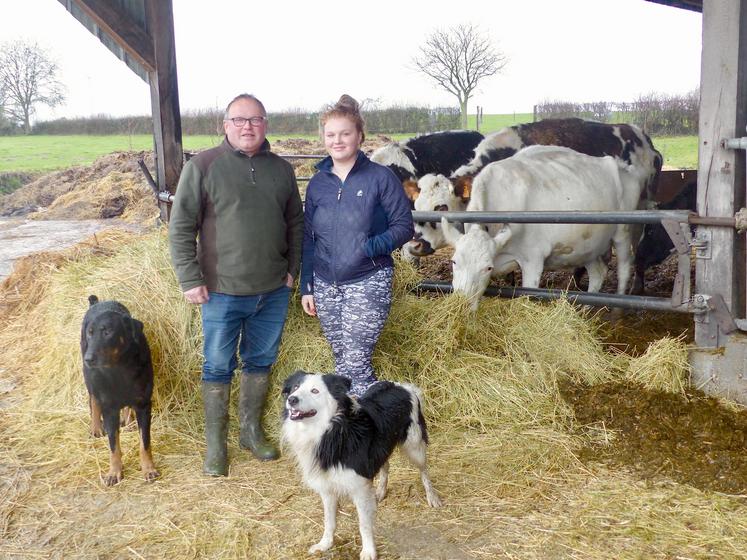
(625, 142)
(541, 178)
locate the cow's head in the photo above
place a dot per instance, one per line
(474, 256)
(436, 194)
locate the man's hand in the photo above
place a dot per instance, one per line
(307, 302)
(197, 295)
(289, 280)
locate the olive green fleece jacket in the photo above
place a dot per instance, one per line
(236, 224)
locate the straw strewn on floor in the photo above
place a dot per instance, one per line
(503, 449)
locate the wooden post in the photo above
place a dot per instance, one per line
(164, 90)
(720, 269)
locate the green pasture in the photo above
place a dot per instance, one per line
(46, 153)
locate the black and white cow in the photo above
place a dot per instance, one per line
(626, 143)
(440, 152)
(542, 178)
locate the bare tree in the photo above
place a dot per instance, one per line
(28, 78)
(457, 59)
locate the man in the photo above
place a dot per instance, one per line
(235, 237)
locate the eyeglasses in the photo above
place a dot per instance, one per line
(241, 121)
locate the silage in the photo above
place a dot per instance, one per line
(503, 450)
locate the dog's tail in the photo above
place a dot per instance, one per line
(92, 300)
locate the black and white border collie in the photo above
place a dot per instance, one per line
(340, 444)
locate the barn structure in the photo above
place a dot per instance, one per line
(141, 33)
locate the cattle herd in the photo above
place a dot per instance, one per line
(551, 165)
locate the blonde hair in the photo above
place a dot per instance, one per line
(346, 107)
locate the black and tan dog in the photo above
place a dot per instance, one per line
(118, 373)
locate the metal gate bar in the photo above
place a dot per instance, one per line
(646, 303)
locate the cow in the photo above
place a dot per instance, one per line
(440, 152)
(542, 178)
(656, 245)
(627, 143)
(624, 141)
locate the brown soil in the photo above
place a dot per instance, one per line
(690, 438)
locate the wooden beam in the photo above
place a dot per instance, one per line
(122, 29)
(721, 172)
(167, 124)
(718, 361)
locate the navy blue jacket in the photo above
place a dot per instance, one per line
(351, 228)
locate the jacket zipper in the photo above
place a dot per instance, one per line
(251, 169)
(337, 215)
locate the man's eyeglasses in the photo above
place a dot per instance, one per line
(241, 121)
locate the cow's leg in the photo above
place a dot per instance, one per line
(622, 250)
(531, 272)
(597, 270)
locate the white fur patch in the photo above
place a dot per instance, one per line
(393, 154)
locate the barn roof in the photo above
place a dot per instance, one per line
(97, 16)
(694, 5)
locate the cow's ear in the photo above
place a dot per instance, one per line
(411, 189)
(451, 234)
(502, 237)
(463, 188)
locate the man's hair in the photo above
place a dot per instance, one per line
(248, 97)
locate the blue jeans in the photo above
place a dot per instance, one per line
(251, 324)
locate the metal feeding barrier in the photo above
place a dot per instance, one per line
(675, 222)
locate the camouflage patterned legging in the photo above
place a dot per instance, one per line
(352, 318)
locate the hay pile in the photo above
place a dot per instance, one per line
(113, 186)
(504, 442)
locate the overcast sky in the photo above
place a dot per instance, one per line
(305, 54)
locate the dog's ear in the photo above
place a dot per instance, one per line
(92, 300)
(136, 329)
(337, 384)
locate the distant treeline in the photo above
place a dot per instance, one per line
(657, 114)
(391, 120)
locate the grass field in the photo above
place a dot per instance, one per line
(46, 153)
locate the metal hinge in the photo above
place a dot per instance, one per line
(702, 244)
(706, 306)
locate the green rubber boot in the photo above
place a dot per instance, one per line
(215, 397)
(252, 393)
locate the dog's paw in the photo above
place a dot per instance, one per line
(97, 432)
(113, 477)
(150, 474)
(321, 546)
(368, 554)
(433, 500)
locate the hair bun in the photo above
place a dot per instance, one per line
(347, 102)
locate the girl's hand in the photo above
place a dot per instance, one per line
(307, 302)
